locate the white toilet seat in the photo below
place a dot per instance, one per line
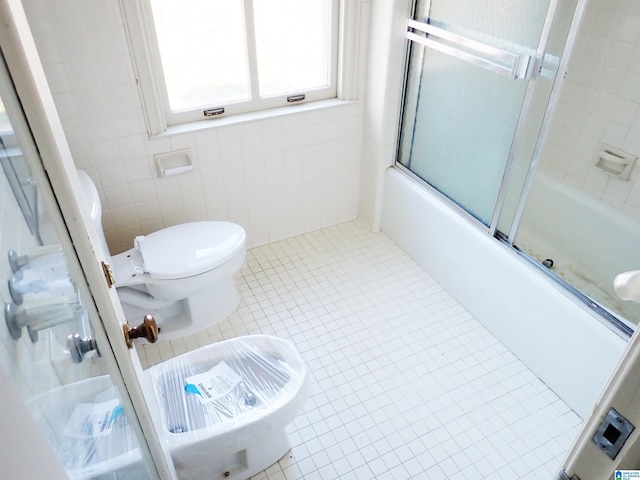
(183, 275)
(189, 249)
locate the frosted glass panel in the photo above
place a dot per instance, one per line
(459, 119)
(464, 123)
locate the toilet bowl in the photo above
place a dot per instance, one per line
(182, 275)
(224, 407)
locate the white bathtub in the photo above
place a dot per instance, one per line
(589, 241)
(561, 341)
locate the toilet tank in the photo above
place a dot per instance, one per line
(95, 207)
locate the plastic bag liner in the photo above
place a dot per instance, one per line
(220, 386)
(87, 429)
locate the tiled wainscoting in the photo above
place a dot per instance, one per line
(405, 382)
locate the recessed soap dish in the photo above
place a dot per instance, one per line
(615, 162)
(174, 163)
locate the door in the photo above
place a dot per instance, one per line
(62, 337)
(469, 87)
(607, 445)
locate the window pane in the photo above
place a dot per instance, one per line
(293, 42)
(203, 51)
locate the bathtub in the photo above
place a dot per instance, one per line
(560, 340)
(588, 250)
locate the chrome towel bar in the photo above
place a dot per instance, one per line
(502, 62)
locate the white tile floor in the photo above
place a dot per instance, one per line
(405, 382)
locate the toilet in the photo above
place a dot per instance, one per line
(256, 385)
(182, 275)
(224, 408)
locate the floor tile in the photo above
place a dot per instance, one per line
(405, 382)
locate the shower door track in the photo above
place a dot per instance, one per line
(609, 319)
(612, 321)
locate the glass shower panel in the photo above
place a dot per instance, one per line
(496, 21)
(46, 344)
(466, 119)
(541, 106)
(464, 95)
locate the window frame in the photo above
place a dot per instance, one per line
(141, 35)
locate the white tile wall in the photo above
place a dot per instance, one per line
(277, 177)
(95, 91)
(385, 57)
(600, 105)
(405, 382)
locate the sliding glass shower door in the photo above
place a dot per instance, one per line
(471, 66)
(482, 82)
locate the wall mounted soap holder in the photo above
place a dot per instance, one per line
(174, 163)
(615, 162)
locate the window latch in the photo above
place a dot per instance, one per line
(295, 98)
(212, 112)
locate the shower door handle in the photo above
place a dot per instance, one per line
(502, 62)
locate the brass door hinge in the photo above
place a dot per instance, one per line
(108, 274)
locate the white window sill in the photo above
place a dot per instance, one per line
(249, 117)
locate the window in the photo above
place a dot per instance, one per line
(198, 59)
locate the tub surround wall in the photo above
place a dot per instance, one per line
(559, 340)
(277, 177)
(600, 104)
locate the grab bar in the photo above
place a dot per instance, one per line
(510, 65)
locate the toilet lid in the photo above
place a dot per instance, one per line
(189, 249)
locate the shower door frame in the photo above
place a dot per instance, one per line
(546, 121)
(508, 238)
(520, 126)
(492, 228)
